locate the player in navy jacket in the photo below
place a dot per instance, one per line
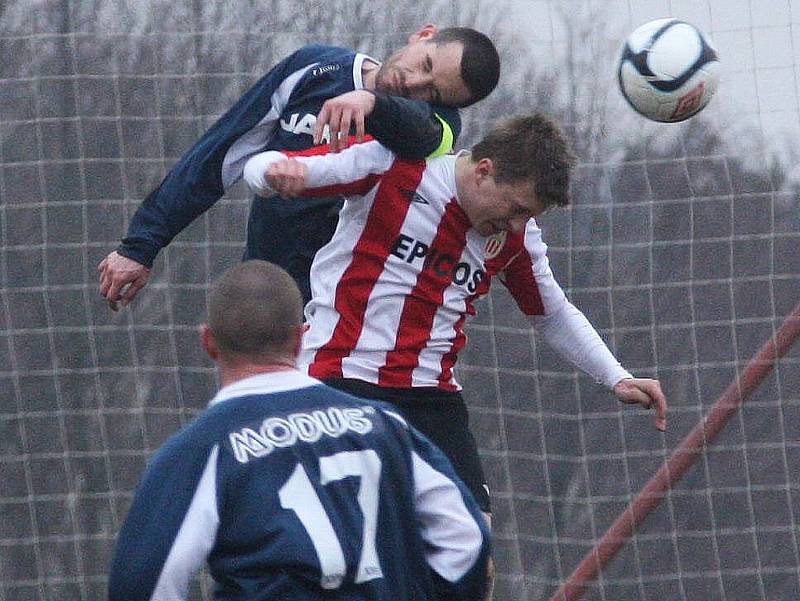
(314, 95)
(290, 489)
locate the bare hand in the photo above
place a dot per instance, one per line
(340, 114)
(121, 279)
(287, 178)
(647, 393)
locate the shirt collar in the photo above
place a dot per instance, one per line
(266, 383)
(358, 63)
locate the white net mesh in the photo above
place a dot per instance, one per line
(682, 246)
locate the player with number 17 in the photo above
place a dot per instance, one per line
(290, 489)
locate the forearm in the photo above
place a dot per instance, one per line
(572, 336)
(410, 128)
(165, 213)
(214, 162)
(255, 172)
(350, 172)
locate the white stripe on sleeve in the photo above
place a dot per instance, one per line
(256, 138)
(396, 416)
(194, 540)
(453, 539)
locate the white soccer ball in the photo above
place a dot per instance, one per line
(668, 70)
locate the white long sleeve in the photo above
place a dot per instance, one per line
(345, 172)
(573, 337)
(255, 172)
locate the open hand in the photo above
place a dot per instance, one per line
(342, 113)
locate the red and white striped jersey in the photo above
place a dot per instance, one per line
(393, 288)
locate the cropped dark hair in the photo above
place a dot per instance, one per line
(254, 308)
(532, 148)
(480, 62)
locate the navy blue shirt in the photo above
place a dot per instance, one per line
(290, 489)
(279, 113)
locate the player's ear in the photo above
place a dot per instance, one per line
(208, 342)
(427, 32)
(484, 169)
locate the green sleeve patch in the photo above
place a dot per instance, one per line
(446, 145)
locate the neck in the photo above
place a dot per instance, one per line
(369, 69)
(462, 168)
(231, 373)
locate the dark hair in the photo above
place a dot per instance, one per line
(480, 63)
(254, 308)
(530, 147)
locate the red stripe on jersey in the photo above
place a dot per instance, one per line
(521, 283)
(358, 188)
(383, 225)
(323, 148)
(459, 340)
(426, 297)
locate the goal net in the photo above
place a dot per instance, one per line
(682, 246)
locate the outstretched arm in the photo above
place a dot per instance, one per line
(571, 334)
(565, 328)
(351, 172)
(200, 178)
(413, 129)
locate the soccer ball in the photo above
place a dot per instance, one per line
(668, 70)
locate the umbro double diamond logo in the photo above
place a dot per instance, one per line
(414, 196)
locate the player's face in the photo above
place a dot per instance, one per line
(425, 71)
(504, 207)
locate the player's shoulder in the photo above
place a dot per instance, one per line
(440, 172)
(322, 53)
(190, 445)
(392, 415)
(451, 116)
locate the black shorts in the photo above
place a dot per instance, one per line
(441, 416)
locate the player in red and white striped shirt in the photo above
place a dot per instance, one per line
(417, 243)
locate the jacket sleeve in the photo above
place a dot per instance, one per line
(413, 129)
(170, 528)
(215, 162)
(453, 527)
(354, 171)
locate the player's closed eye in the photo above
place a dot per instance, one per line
(427, 66)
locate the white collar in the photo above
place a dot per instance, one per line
(358, 63)
(266, 383)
